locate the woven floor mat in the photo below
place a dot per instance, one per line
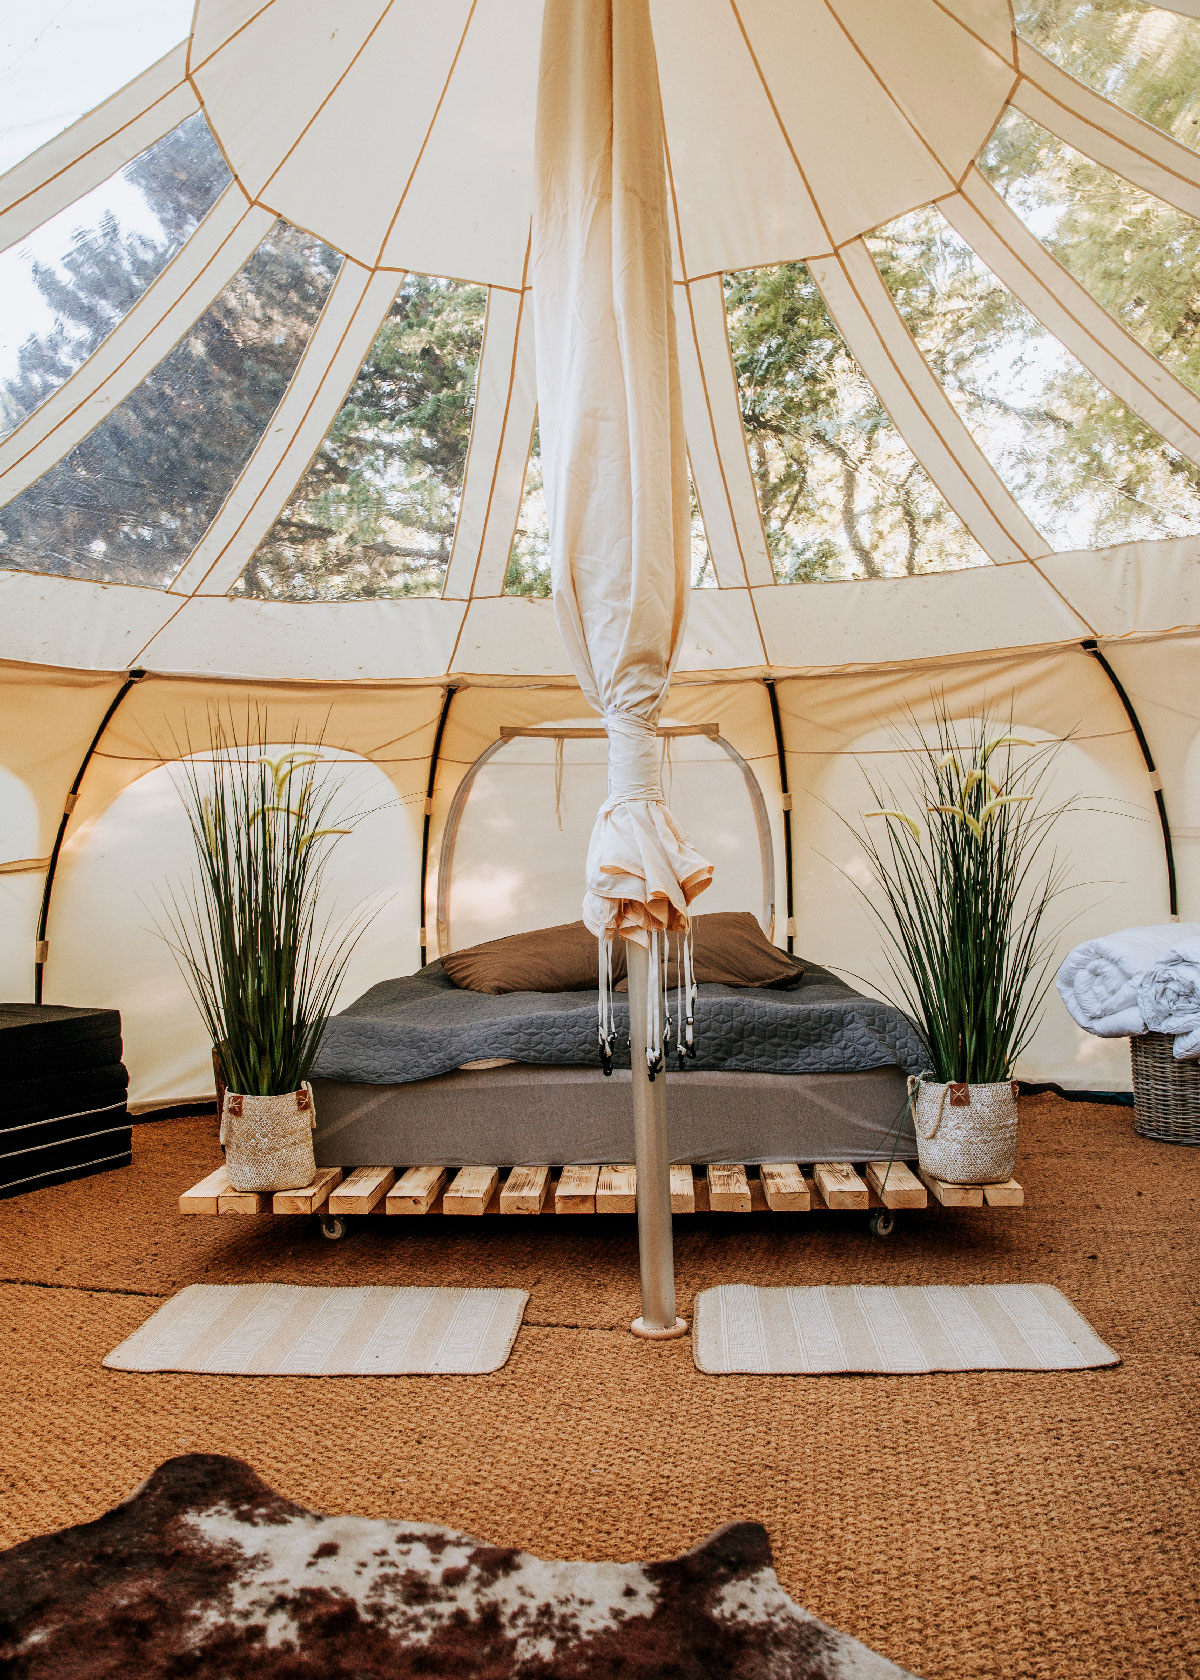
(284, 1330)
(824, 1329)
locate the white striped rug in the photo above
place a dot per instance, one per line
(285, 1330)
(876, 1327)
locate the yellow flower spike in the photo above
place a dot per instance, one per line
(319, 833)
(949, 761)
(974, 777)
(989, 747)
(994, 805)
(963, 816)
(900, 816)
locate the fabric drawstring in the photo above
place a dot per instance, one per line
(658, 1020)
(559, 766)
(685, 999)
(663, 1028)
(607, 1022)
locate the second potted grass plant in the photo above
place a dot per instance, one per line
(261, 963)
(968, 882)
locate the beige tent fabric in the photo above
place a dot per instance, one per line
(613, 451)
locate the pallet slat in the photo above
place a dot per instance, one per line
(244, 1201)
(616, 1189)
(575, 1191)
(205, 1196)
(683, 1189)
(896, 1185)
(840, 1185)
(471, 1190)
(525, 1190)
(312, 1197)
(952, 1195)
(785, 1187)
(1008, 1194)
(728, 1188)
(416, 1190)
(363, 1190)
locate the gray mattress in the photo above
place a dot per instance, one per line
(422, 1026)
(530, 1116)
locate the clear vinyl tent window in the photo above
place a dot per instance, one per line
(1138, 257)
(529, 557)
(1142, 57)
(840, 492)
(1086, 470)
(551, 781)
(65, 287)
(59, 60)
(374, 515)
(130, 503)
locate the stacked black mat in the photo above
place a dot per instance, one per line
(63, 1089)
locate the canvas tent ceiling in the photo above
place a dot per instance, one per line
(360, 147)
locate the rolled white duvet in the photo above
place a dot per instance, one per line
(1169, 997)
(1100, 979)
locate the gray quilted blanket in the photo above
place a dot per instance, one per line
(423, 1025)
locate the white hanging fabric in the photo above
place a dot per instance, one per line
(614, 459)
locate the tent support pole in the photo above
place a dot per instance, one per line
(789, 900)
(447, 696)
(652, 1153)
(42, 948)
(1093, 648)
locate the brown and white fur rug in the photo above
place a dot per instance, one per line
(207, 1572)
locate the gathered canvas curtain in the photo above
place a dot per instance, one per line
(614, 459)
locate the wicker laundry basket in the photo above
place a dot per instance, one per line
(1166, 1093)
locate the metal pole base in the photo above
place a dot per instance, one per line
(658, 1320)
(651, 1332)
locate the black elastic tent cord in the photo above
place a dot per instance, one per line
(787, 810)
(41, 950)
(447, 697)
(1093, 648)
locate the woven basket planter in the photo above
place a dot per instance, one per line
(1166, 1093)
(966, 1134)
(269, 1140)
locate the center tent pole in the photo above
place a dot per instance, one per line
(652, 1155)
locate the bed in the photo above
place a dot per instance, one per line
(418, 1069)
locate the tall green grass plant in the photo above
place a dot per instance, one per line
(262, 963)
(967, 883)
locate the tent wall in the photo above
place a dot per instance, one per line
(125, 841)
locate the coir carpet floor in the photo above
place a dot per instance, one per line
(979, 1523)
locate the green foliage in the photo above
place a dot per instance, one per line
(106, 267)
(529, 557)
(262, 968)
(132, 500)
(1141, 57)
(374, 515)
(1086, 469)
(968, 884)
(1139, 257)
(840, 492)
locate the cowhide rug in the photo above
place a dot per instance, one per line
(207, 1572)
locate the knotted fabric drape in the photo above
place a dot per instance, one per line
(614, 459)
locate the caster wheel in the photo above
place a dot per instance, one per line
(333, 1226)
(882, 1222)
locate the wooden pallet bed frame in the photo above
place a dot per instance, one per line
(834, 1186)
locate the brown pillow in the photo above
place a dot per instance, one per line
(730, 949)
(555, 959)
